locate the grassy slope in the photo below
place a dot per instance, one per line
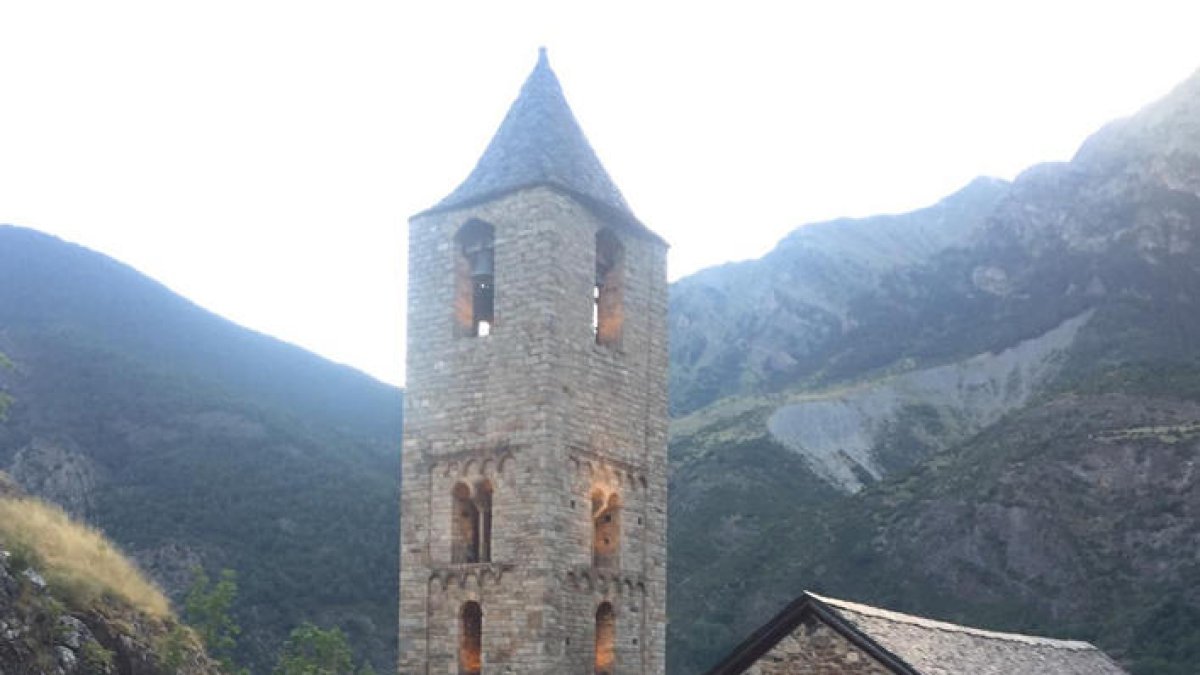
(77, 560)
(89, 579)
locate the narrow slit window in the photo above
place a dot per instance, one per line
(606, 633)
(608, 312)
(483, 506)
(470, 640)
(475, 280)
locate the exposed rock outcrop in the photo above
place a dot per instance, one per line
(58, 472)
(846, 436)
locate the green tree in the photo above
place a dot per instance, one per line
(310, 650)
(206, 608)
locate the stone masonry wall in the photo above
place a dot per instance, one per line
(816, 649)
(548, 417)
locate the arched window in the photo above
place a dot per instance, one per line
(483, 504)
(464, 526)
(608, 292)
(606, 530)
(606, 633)
(474, 283)
(471, 523)
(470, 639)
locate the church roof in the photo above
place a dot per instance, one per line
(912, 645)
(540, 143)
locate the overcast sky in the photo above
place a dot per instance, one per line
(262, 158)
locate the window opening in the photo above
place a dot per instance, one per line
(470, 640)
(608, 291)
(606, 629)
(475, 278)
(606, 530)
(464, 532)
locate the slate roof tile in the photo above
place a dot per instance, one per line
(940, 648)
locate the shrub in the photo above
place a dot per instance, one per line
(314, 651)
(172, 647)
(95, 658)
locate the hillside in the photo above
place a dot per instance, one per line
(71, 603)
(998, 429)
(192, 441)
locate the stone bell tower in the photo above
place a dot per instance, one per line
(534, 496)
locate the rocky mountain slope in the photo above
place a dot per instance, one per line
(998, 430)
(762, 325)
(192, 441)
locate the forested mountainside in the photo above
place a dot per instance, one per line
(192, 441)
(998, 427)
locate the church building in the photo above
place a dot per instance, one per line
(534, 493)
(823, 636)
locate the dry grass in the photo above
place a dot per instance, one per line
(77, 561)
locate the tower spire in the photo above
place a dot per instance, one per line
(540, 143)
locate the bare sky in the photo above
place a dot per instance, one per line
(262, 158)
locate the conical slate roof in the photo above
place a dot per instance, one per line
(539, 143)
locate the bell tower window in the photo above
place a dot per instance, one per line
(464, 527)
(470, 640)
(475, 282)
(608, 291)
(606, 629)
(471, 524)
(606, 530)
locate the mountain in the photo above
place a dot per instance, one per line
(192, 441)
(998, 425)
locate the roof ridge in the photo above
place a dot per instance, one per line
(900, 617)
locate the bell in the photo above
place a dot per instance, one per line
(482, 264)
(481, 258)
